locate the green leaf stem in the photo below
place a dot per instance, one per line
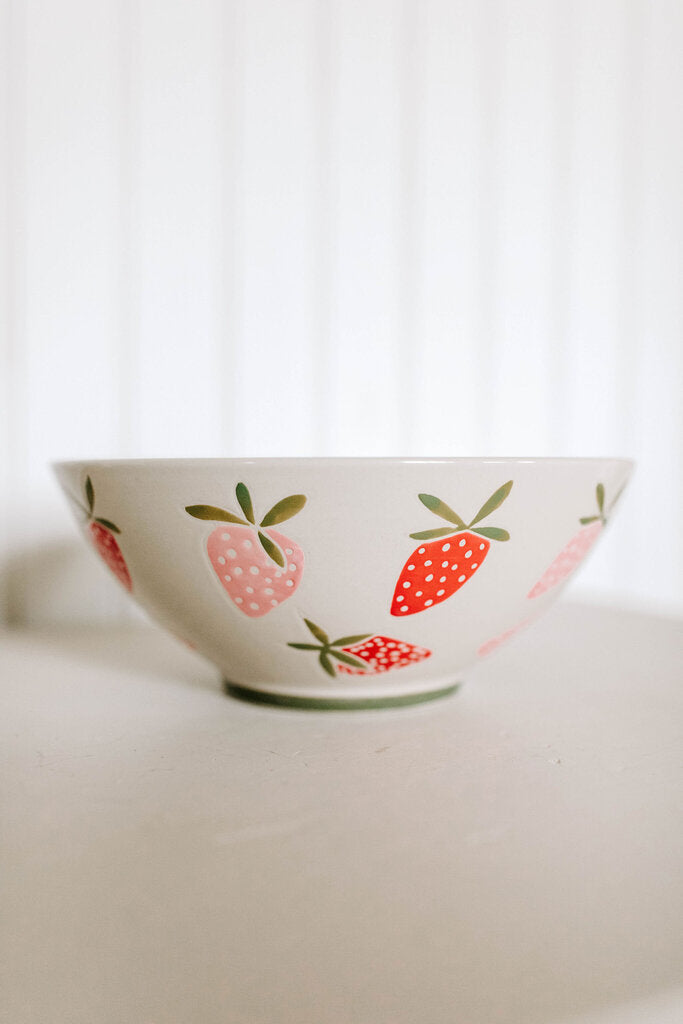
(271, 549)
(212, 513)
(244, 499)
(494, 502)
(492, 533)
(318, 633)
(89, 494)
(441, 509)
(443, 531)
(284, 509)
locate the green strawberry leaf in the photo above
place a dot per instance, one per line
(600, 495)
(213, 514)
(584, 520)
(271, 549)
(346, 641)
(493, 533)
(108, 525)
(442, 531)
(305, 647)
(244, 499)
(327, 664)
(89, 494)
(494, 502)
(348, 659)
(440, 508)
(318, 633)
(284, 509)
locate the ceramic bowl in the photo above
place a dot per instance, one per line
(343, 582)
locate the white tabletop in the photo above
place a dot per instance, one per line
(510, 855)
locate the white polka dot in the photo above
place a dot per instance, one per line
(273, 602)
(445, 547)
(278, 574)
(474, 565)
(468, 554)
(410, 568)
(225, 536)
(400, 597)
(269, 590)
(418, 593)
(461, 579)
(440, 593)
(227, 579)
(427, 603)
(428, 562)
(221, 560)
(454, 566)
(428, 579)
(231, 553)
(442, 579)
(246, 544)
(254, 606)
(268, 579)
(250, 590)
(254, 570)
(238, 600)
(290, 583)
(288, 551)
(444, 564)
(481, 547)
(406, 585)
(420, 551)
(237, 571)
(462, 543)
(390, 645)
(292, 567)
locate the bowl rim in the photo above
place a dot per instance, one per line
(346, 460)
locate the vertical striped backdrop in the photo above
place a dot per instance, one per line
(254, 227)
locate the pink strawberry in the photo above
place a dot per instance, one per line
(258, 567)
(367, 654)
(574, 552)
(498, 641)
(452, 554)
(102, 532)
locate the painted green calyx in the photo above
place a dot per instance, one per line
(281, 511)
(444, 511)
(89, 512)
(327, 649)
(603, 515)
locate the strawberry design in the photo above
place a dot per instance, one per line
(367, 654)
(574, 552)
(257, 566)
(102, 532)
(498, 641)
(450, 556)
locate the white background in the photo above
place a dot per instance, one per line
(272, 227)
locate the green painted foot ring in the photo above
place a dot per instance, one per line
(334, 703)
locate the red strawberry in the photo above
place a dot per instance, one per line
(105, 543)
(258, 567)
(574, 552)
(452, 554)
(364, 655)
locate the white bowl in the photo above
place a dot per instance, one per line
(343, 582)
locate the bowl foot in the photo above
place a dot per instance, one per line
(334, 703)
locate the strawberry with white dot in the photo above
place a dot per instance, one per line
(257, 566)
(449, 556)
(365, 654)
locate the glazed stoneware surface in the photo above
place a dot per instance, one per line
(346, 581)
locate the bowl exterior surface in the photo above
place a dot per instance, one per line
(304, 578)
